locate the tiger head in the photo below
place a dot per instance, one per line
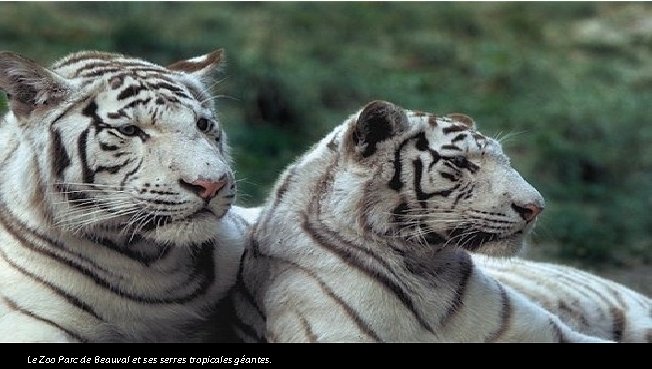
(123, 144)
(435, 180)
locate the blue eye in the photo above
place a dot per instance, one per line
(129, 130)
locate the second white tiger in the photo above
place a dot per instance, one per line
(365, 239)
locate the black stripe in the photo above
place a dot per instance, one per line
(242, 287)
(86, 56)
(159, 252)
(107, 147)
(395, 183)
(557, 332)
(350, 311)
(112, 169)
(130, 91)
(88, 176)
(451, 147)
(68, 110)
(345, 254)
(307, 328)
(418, 173)
(12, 305)
(60, 157)
(459, 137)
(618, 322)
(455, 128)
(170, 87)
(129, 174)
(505, 315)
(73, 300)
(204, 259)
(247, 330)
(465, 267)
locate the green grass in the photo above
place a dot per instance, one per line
(571, 81)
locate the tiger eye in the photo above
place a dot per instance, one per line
(202, 124)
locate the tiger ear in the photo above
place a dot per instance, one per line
(201, 66)
(28, 85)
(377, 122)
(463, 119)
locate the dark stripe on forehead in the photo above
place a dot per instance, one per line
(85, 56)
(132, 90)
(454, 128)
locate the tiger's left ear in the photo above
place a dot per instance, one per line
(463, 119)
(28, 85)
(377, 122)
(201, 66)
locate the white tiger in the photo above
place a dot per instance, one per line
(365, 239)
(586, 302)
(114, 201)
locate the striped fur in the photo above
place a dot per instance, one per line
(106, 233)
(586, 302)
(365, 236)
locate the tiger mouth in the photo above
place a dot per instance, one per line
(163, 220)
(473, 240)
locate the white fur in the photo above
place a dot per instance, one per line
(586, 302)
(109, 271)
(326, 257)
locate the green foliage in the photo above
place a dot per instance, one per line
(570, 83)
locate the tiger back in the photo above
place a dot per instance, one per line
(365, 239)
(588, 303)
(115, 198)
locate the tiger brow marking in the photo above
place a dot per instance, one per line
(87, 56)
(505, 314)
(14, 306)
(454, 128)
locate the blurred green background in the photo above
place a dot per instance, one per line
(570, 84)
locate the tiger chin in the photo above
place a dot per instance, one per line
(366, 237)
(116, 217)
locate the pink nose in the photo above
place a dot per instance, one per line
(528, 212)
(206, 189)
